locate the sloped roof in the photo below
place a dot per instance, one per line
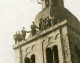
(59, 13)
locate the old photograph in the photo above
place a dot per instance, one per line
(40, 31)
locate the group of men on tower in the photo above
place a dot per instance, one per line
(46, 23)
(19, 37)
(43, 25)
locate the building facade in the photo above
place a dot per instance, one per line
(59, 43)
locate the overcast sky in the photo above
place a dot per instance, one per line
(14, 14)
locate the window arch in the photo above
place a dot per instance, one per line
(52, 55)
(49, 55)
(56, 57)
(33, 58)
(27, 60)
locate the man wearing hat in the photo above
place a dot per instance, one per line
(19, 36)
(49, 22)
(33, 28)
(23, 33)
(40, 24)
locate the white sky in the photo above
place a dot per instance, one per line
(14, 14)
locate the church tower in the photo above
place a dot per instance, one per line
(59, 43)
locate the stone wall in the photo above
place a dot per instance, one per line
(38, 47)
(62, 35)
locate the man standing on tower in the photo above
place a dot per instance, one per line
(19, 38)
(15, 38)
(23, 33)
(40, 23)
(49, 22)
(33, 29)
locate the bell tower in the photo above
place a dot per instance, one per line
(57, 42)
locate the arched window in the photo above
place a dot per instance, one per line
(27, 60)
(56, 57)
(49, 55)
(52, 55)
(33, 58)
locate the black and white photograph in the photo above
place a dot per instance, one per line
(39, 31)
